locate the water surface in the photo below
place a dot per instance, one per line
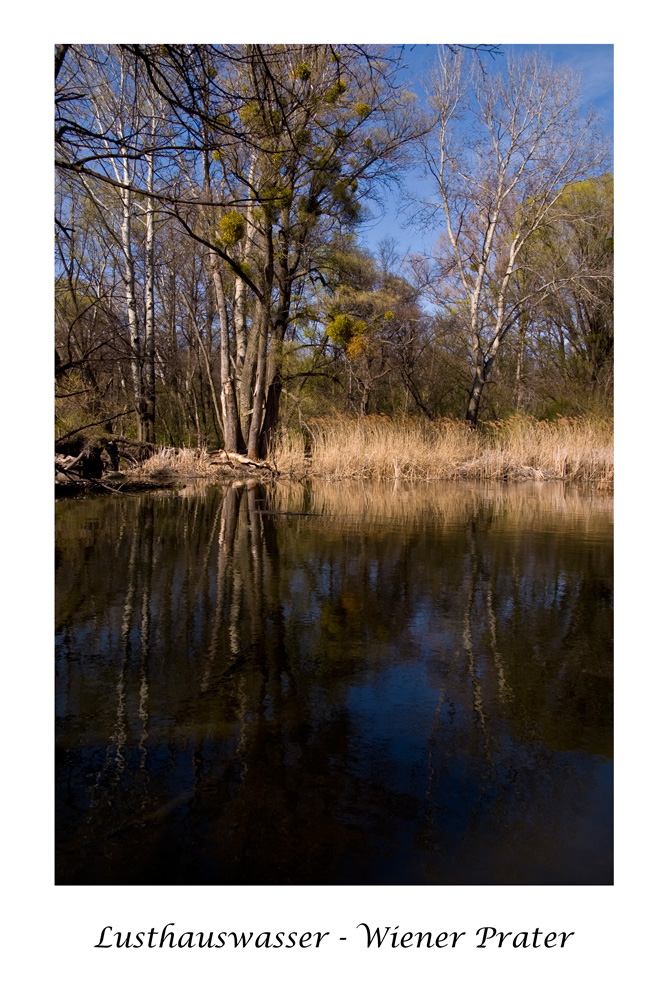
(339, 684)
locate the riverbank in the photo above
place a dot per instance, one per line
(579, 451)
(168, 468)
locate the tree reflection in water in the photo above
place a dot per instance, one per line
(342, 685)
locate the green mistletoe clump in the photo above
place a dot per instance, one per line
(231, 228)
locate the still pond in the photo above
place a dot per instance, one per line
(335, 684)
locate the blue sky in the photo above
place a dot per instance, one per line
(595, 63)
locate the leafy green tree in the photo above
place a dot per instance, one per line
(374, 317)
(574, 257)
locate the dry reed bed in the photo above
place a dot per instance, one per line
(576, 450)
(573, 450)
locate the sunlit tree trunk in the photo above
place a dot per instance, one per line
(233, 440)
(255, 447)
(129, 275)
(255, 441)
(240, 292)
(148, 433)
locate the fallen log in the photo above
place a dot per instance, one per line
(223, 457)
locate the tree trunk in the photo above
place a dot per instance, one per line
(364, 400)
(483, 365)
(473, 405)
(130, 298)
(255, 440)
(149, 410)
(240, 293)
(271, 415)
(233, 439)
(247, 379)
(274, 380)
(519, 374)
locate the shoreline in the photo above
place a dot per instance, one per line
(575, 451)
(135, 483)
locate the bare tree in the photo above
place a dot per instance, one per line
(506, 147)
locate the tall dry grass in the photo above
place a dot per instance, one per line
(575, 450)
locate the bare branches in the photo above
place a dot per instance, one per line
(508, 146)
(95, 423)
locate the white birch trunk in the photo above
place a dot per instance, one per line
(149, 420)
(129, 275)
